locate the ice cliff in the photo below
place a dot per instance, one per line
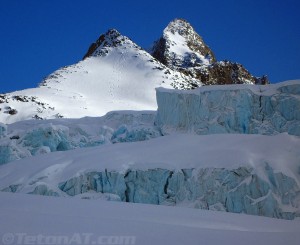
(247, 109)
(32, 138)
(238, 190)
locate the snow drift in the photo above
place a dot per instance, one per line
(74, 221)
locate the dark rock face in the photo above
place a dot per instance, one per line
(112, 38)
(262, 80)
(158, 51)
(220, 73)
(12, 112)
(227, 73)
(3, 98)
(180, 48)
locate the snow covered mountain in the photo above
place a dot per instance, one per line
(181, 48)
(115, 74)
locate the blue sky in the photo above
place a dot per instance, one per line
(38, 37)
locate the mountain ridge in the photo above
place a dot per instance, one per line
(117, 74)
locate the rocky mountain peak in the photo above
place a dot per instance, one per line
(180, 26)
(112, 38)
(180, 47)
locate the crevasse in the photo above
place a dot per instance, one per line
(238, 190)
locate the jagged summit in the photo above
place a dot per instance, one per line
(178, 25)
(180, 46)
(193, 40)
(112, 38)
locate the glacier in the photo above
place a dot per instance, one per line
(36, 137)
(222, 148)
(246, 109)
(251, 174)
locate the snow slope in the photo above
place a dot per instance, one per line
(119, 75)
(105, 222)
